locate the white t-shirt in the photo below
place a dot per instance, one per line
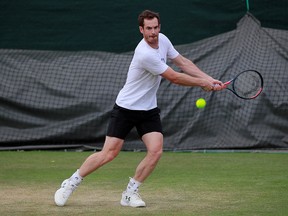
(143, 80)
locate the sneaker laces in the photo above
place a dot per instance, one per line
(137, 196)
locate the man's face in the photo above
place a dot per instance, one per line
(151, 31)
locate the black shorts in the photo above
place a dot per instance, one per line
(123, 120)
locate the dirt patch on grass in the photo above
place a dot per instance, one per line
(87, 200)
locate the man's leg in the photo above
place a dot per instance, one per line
(111, 149)
(154, 145)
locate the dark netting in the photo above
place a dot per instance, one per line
(52, 99)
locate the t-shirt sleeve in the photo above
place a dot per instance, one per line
(171, 52)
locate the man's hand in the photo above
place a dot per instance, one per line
(213, 85)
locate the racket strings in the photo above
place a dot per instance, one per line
(247, 85)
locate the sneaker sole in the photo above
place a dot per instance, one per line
(134, 206)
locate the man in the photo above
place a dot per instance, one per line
(136, 106)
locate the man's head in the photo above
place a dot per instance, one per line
(149, 26)
(149, 15)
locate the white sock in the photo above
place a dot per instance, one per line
(133, 185)
(76, 178)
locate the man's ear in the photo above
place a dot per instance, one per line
(141, 29)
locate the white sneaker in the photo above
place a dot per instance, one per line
(62, 194)
(132, 199)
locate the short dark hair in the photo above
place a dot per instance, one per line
(147, 14)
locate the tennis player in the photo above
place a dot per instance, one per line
(136, 106)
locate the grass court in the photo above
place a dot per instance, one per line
(182, 184)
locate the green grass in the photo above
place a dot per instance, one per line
(182, 184)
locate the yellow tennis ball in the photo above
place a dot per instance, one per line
(200, 103)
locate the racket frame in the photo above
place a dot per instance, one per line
(233, 89)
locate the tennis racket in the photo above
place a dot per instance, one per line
(247, 84)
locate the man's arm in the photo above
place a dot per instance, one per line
(190, 69)
(187, 80)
